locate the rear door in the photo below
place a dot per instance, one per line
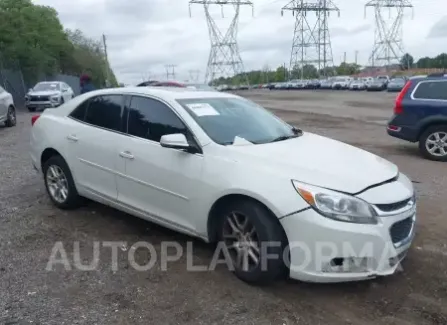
(91, 144)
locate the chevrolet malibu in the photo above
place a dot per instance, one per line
(276, 199)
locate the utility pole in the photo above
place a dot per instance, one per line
(311, 40)
(170, 71)
(104, 41)
(224, 59)
(356, 57)
(344, 57)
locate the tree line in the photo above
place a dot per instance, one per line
(281, 73)
(33, 40)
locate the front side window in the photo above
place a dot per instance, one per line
(105, 112)
(151, 119)
(431, 90)
(227, 119)
(47, 86)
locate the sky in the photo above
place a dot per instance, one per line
(143, 36)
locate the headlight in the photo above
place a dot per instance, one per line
(335, 205)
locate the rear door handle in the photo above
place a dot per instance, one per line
(127, 155)
(72, 137)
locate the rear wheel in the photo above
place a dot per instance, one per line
(433, 143)
(251, 237)
(59, 183)
(11, 119)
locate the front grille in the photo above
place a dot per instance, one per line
(393, 206)
(401, 230)
(39, 98)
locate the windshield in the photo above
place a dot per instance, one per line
(227, 120)
(46, 86)
(398, 80)
(381, 78)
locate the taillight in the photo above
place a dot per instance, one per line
(398, 108)
(34, 119)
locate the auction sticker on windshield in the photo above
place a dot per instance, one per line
(202, 109)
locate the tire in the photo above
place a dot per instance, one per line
(72, 200)
(31, 109)
(429, 135)
(267, 230)
(12, 118)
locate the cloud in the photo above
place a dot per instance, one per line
(145, 35)
(439, 29)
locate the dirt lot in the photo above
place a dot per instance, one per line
(30, 226)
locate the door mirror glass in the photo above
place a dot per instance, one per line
(174, 141)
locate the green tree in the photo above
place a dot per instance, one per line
(406, 62)
(33, 40)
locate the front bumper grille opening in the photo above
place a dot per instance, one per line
(393, 206)
(401, 230)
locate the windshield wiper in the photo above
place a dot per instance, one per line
(296, 133)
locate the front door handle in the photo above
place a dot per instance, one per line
(127, 155)
(72, 137)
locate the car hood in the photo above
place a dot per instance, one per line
(44, 93)
(319, 161)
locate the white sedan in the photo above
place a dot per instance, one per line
(48, 94)
(7, 109)
(222, 168)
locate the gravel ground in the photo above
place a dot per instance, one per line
(30, 226)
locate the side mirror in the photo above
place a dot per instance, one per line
(30, 90)
(174, 141)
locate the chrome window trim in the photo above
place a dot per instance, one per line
(426, 99)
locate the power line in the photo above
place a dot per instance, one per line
(224, 58)
(194, 75)
(311, 41)
(388, 35)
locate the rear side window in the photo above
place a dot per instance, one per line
(151, 119)
(105, 112)
(79, 112)
(431, 90)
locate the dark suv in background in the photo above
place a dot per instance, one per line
(420, 115)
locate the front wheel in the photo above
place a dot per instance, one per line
(59, 183)
(433, 143)
(12, 118)
(254, 240)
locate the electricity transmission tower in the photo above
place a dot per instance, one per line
(388, 43)
(170, 71)
(224, 58)
(311, 42)
(194, 75)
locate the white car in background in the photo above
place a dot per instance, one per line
(7, 109)
(222, 168)
(48, 94)
(358, 84)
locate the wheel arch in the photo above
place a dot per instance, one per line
(431, 123)
(47, 154)
(213, 214)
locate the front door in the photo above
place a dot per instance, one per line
(91, 139)
(159, 181)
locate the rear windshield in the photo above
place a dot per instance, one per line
(435, 89)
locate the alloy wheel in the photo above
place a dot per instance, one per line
(241, 241)
(57, 183)
(436, 144)
(12, 116)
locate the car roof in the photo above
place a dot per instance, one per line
(172, 93)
